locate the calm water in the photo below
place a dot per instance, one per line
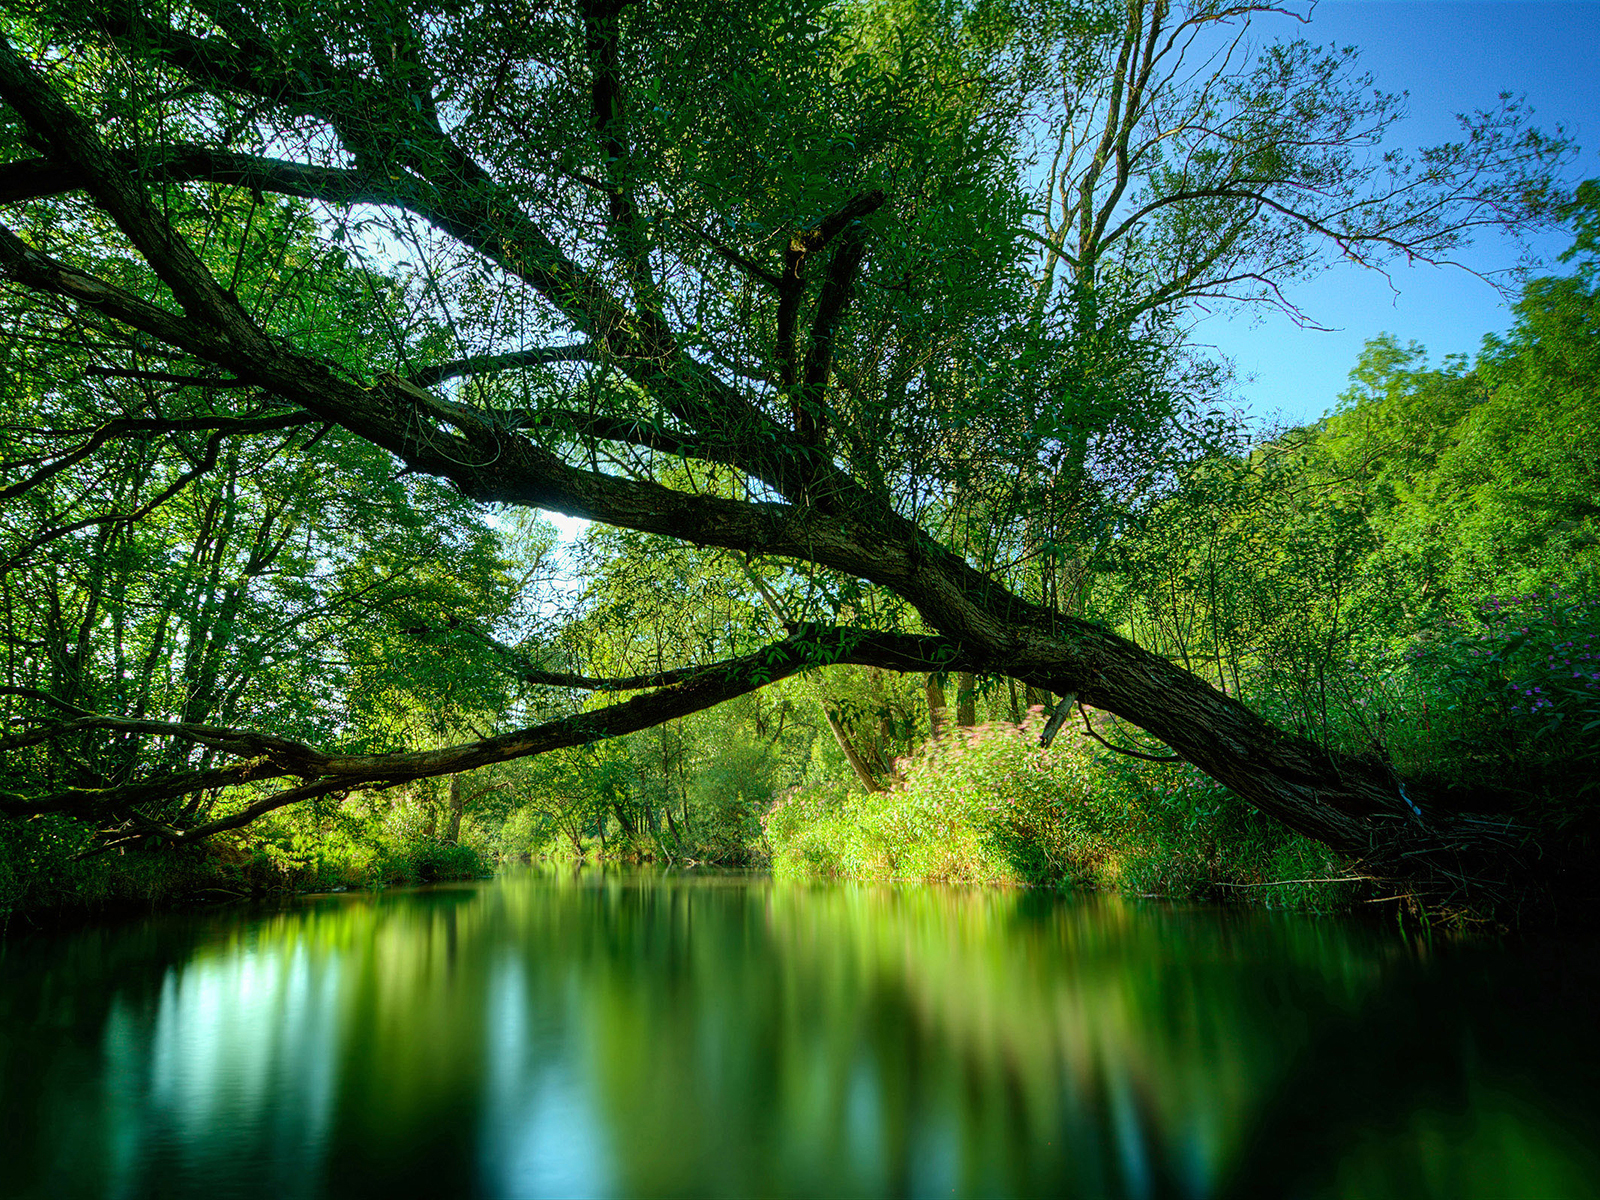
(639, 1035)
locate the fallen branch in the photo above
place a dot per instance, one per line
(1286, 882)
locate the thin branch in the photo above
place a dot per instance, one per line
(538, 676)
(38, 178)
(484, 364)
(204, 381)
(271, 757)
(224, 426)
(1285, 882)
(1156, 758)
(28, 693)
(71, 137)
(731, 256)
(208, 459)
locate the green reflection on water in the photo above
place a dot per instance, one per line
(637, 1034)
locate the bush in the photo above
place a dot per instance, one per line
(979, 806)
(1526, 669)
(40, 872)
(987, 806)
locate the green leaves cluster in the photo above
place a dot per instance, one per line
(1412, 575)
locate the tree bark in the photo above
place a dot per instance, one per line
(937, 712)
(966, 699)
(858, 765)
(458, 804)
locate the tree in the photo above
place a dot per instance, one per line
(1186, 170)
(780, 244)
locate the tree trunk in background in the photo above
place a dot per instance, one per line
(966, 699)
(678, 846)
(857, 764)
(886, 747)
(1037, 697)
(458, 804)
(936, 709)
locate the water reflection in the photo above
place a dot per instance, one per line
(637, 1035)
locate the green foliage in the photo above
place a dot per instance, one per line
(986, 805)
(161, 564)
(1524, 674)
(1356, 580)
(41, 873)
(366, 840)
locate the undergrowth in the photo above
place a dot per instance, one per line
(986, 805)
(43, 868)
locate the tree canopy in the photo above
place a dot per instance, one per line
(301, 295)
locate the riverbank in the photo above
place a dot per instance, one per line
(986, 806)
(48, 881)
(980, 806)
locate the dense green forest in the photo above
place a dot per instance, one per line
(924, 542)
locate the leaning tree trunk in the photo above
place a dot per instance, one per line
(1356, 805)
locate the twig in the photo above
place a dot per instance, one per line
(1283, 882)
(1066, 705)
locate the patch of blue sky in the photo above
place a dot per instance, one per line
(1451, 56)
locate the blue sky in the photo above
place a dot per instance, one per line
(1451, 56)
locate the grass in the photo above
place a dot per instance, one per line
(986, 805)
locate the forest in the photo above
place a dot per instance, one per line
(923, 538)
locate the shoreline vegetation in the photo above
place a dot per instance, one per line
(922, 542)
(978, 803)
(985, 805)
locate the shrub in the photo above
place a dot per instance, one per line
(1521, 679)
(987, 805)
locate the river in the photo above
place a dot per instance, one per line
(643, 1034)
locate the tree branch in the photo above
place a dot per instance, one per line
(527, 672)
(485, 364)
(1155, 758)
(602, 28)
(224, 426)
(792, 286)
(208, 459)
(464, 202)
(810, 407)
(264, 757)
(73, 139)
(491, 464)
(38, 178)
(733, 258)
